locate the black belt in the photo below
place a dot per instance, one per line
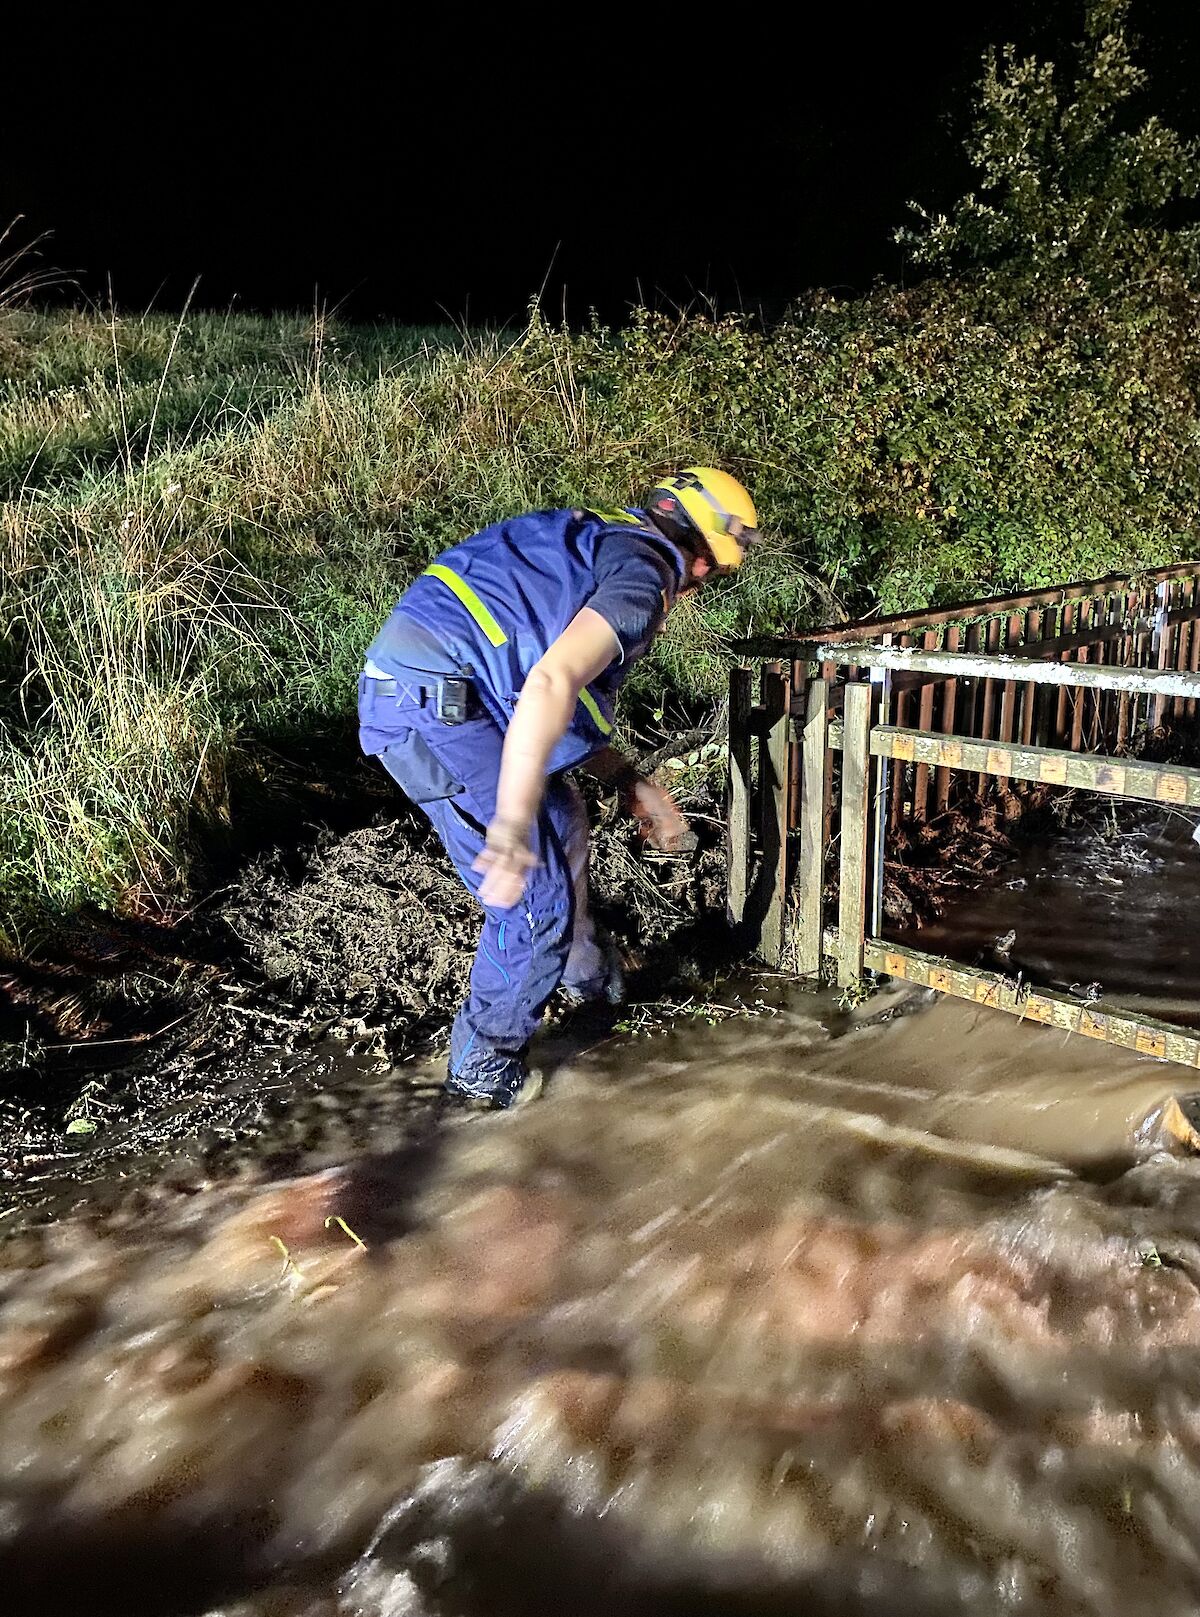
(454, 697)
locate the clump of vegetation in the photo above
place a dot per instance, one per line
(204, 520)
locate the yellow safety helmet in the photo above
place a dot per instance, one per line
(715, 505)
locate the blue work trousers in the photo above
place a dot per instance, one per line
(547, 938)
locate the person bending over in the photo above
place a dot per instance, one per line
(496, 674)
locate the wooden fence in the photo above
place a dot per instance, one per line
(931, 709)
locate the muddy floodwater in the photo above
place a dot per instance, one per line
(1098, 911)
(885, 1312)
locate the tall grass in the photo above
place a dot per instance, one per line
(117, 732)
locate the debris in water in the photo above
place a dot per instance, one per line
(1175, 1126)
(345, 1228)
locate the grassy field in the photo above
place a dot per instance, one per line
(203, 524)
(202, 521)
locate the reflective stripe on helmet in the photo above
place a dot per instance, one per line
(710, 499)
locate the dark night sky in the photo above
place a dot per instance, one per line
(456, 171)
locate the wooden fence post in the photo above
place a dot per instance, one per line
(944, 777)
(799, 707)
(773, 788)
(920, 795)
(737, 851)
(812, 830)
(856, 786)
(1162, 648)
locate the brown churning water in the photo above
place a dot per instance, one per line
(790, 1314)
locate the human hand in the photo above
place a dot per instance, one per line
(659, 821)
(505, 864)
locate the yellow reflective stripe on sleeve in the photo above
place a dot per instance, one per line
(589, 702)
(471, 601)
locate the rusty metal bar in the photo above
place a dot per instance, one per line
(1183, 640)
(1033, 651)
(1102, 612)
(897, 782)
(966, 611)
(1127, 649)
(1059, 730)
(1162, 648)
(1034, 646)
(1189, 634)
(976, 645)
(920, 796)
(1008, 691)
(1111, 700)
(1045, 702)
(944, 779)
(1041, 1006)
(1143, 653)
(1054, 645)
(1093, 772)
(1072, 642)
(1106, 701)
(1079, 696)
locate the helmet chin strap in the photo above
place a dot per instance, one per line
(686, 538)
(681, 531)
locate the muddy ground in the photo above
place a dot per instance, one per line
(305, 1001)
(295, 1006)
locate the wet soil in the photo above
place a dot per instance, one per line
(340, 954)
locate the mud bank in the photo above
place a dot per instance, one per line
(339, 954)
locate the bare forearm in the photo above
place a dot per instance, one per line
(543, 713)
